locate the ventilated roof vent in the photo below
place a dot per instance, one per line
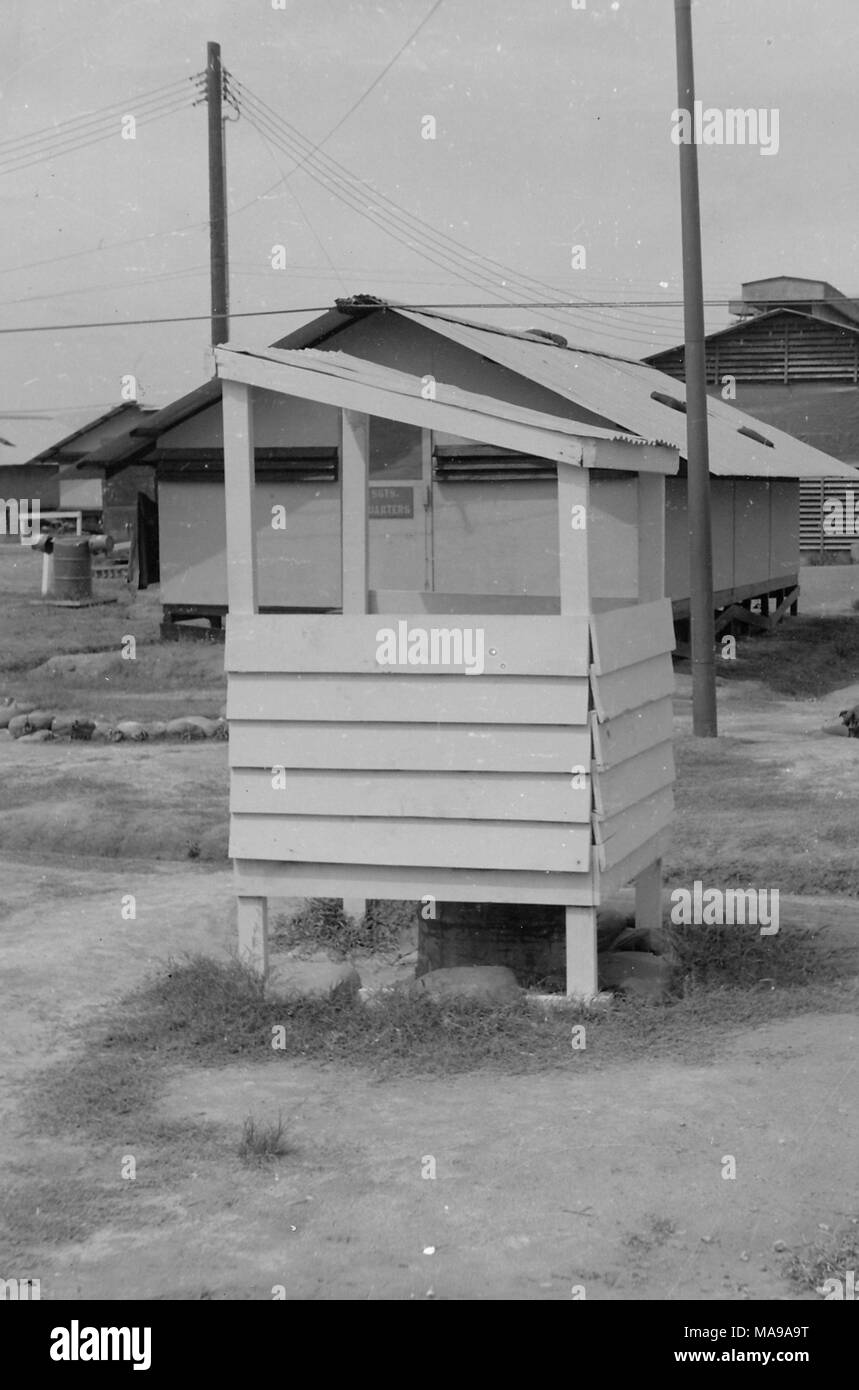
(753, 434)
(671, 401)
(557, 338)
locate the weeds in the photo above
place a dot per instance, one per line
(260, 1143)
(804, 658)
(741, 957)
(321, 924)
(827, 1258)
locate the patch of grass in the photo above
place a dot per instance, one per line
(660, 1229)
(320, 924)
(260, 1143)
(829, 1257)
(804, 658)
(204, 1013)
(747, 822)
(150, 802)
(740, 956)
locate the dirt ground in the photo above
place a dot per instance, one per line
(609, 1179)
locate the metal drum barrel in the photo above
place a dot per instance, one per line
(72, 568)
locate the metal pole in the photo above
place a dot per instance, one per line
(217, 198)
(698, 457)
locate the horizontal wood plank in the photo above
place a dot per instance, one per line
(395, 396)
(633, 686)
(624, 871)
(630, 734)
(341, 644)
(454, 748)
(619, 836)
(270, 878)
(458, 844)
(619, 787)
(445, 796)
(410, 699)
(628, 636)
(416, 601)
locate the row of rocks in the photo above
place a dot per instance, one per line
(31, 725)
(631, 972)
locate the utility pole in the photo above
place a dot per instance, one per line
(217, 198)
(704, 723)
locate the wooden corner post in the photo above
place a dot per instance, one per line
(651, 587)
(573, 530)
(354, 531)
(239, 488)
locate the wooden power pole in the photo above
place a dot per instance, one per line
(704, 723)
(217, 199)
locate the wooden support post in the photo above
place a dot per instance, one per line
(253, 933)
(573, 545)
(648, 897)
(239, 486)
(651, 537)
(573, 531)
(581, 927)
(354, 531)
(354, 479)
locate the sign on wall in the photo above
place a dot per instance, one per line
(392, 503)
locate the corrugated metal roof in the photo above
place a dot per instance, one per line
(621, 391)
(360, 371)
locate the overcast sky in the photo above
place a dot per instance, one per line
(552, 129)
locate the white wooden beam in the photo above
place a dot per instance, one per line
(355, 540)
(573, 532)
(354, 479)
(484, 424)
(239, 487)
(651, 537)
(253, 933)
(581, 931)
(648, 896)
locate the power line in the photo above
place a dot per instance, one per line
(441, 240)
(130, 104)
(269, 313)
(385, 70)
(465, 264)
(354, 107)
(328, 168)
(15, 163)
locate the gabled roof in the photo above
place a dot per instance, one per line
(353, 383)
(748, 325)
(636, 397)
(120, 447)
(626, 395)
(61, 446)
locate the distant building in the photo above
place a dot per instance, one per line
(433, 520)
(99, 469)
(793, 360)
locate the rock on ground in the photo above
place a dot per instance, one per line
(611, 923)
(490, 984)
(635, 972)
(313, 979)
